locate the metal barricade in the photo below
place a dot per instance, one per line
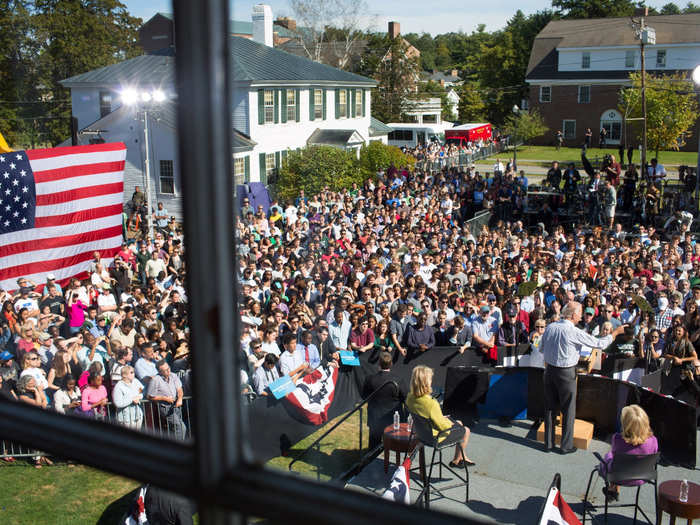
(144, 417)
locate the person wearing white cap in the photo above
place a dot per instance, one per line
(51, 279)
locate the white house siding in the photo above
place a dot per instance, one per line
(273, 138)
(240, 110)
(86, 104)
(678, 56)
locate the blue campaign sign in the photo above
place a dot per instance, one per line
(281, 387)
(349, 358)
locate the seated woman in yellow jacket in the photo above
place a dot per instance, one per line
(420, 402)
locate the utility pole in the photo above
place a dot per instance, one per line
(646, 35)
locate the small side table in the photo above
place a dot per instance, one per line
(669, 502)
(400, 441)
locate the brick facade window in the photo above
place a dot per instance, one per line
(545, 93)
(584, 94)
(569, 128)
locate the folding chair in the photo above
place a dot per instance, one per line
(423, 431)
(625, 468)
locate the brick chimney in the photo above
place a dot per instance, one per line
(394, 29)
(287, 22)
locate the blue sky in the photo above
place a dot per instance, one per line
(417, 16)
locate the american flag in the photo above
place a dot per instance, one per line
(57, 207)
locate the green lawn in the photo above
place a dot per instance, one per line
(544, 155)
(77, 495)
(62, 495)
(338, 451)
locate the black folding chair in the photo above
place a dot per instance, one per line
(423, 430)
(625, 468)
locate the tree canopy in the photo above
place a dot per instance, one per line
(672, 109)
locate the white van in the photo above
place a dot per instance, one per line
(411, 134)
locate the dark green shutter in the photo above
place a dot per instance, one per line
(348, 103)
(278, 162)
(284, 105)
(297, 104)
(312, 109)
(246, 169)
(276, 106)
(364, 92)
(352, 103)
(263, 174)
(337, 103)
(324, 104)
(284, 155)
(261, 106)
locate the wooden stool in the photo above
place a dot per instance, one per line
(400, 441)
(669, 502)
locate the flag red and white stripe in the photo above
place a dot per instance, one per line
(557, 511)
(79, 203)
(314, 394)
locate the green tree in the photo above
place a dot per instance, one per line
(670, 9)
(315, 167)
(396, 75)
(471, 104)
(76, 36)
(17, 72)
(525, 126)
(593, 8)
(691, 8)
(377, 155)
(672, 109)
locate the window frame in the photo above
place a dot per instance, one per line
(269, 107)
(171, 168)
(318, 104)
(630, 53)
(342, 103)
(217, 470)
(106, 100)
(542, 100)
(239, 178)
(661, 53)
(292, 107)
(563, 128)
(580, 90)
(586, 60)
(358, 102)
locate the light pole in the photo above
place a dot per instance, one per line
(516, 112)
(696, 82)
(143, 101)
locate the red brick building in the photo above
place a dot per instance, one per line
(577, 68)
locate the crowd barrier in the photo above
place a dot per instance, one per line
(149, 420)
(462, 160)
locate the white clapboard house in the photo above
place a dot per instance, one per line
(280, 102)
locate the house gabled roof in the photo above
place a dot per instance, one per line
(599, 32)
(254, 62)
(251, 62)
(377, 128)
(602, 32)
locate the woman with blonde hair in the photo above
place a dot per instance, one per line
(636, 438)
(421, 403)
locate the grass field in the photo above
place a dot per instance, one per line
(62, 495)
(544, 155)
(77, 495)
(338, 451)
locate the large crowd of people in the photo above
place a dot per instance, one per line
(105, 346)
(395, 266)
(392, 266)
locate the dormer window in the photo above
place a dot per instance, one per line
(586, 60)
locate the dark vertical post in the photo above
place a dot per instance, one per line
(204, 131)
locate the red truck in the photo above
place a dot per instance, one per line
(460, 135)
